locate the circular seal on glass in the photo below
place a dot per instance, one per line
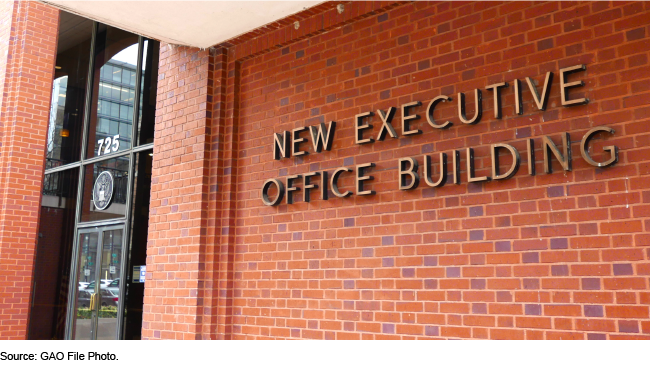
(103, 190)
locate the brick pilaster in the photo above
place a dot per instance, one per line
(179, 191)
(28, 36)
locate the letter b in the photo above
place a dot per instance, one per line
(408, 167)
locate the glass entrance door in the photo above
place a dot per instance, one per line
(99, 274)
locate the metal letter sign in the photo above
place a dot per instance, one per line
(407, 169)
(103, 190)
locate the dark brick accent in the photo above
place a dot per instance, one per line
(533, 309)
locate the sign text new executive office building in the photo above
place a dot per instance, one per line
(352, 170)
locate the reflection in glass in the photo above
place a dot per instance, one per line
(98, 297)
(68, 90)
(119, 170)
(111, 120)
(53, 255)
(148, 88)
(110, 272)
(86, 276)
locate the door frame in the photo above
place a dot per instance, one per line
(74, 286)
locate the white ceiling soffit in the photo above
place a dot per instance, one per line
(193, 23)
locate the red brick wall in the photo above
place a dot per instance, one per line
(6, 16)
(561, 255)
(28, 31)
(177, 219)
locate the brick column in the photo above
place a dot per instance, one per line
(28, 36)
(179, 197)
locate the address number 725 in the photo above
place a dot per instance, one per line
(107, 145)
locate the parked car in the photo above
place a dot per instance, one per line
(103, 284)
(90, 287)
(114, 283)
(83, 299)
(114, 286)
(109, 299)
(83, 285)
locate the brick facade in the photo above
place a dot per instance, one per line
(551, 256)
(561, 255)
(28, 36)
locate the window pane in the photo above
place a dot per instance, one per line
(125, 94)
(112, 200)
(115, 92)
(117, 74)
(139, 231)
(125, 130)
(132, 78)
(115, 110)
(114, 128)
(107, 72)
(86, 275)
(53, 255)
(124, 112)
(104, 91)
(148, 87)
(126, 74)
(117, 51)
(68, 90)
(103, 125)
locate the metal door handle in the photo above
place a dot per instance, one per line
(92, 301)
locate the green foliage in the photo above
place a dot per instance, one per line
(104, 312)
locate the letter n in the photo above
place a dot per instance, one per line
(550, 148)
(281, 145)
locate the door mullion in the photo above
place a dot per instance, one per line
(121, 305)
(98, 282)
